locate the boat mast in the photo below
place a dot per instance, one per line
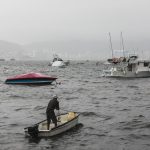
(122, 42)
(111, 45)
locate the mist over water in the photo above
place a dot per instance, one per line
(115, 113)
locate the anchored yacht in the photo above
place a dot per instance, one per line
(128, 67)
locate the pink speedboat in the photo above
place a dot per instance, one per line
(31, 79)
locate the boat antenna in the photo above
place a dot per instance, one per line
(122, 42)
(111, 45)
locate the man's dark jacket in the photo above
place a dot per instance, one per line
(53, 104)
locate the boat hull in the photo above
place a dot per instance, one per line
(143, 74)
(29, 81)
(58, 64)
(59, 130)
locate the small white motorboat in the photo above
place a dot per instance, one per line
(65, 122)
(58, 62)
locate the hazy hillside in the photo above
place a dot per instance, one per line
(72, 49)
(10, 50)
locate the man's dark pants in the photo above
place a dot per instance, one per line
(51, 116)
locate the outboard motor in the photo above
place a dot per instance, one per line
(33, 131)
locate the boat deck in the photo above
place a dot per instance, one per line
(61, 120)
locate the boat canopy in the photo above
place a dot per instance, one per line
(32, 76)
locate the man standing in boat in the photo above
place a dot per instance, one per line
(52, 105)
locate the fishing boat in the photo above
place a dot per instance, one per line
(31, 79)
(127, 65)
(132, 67)
(65, 122)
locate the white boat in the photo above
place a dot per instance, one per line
(65, 122)
(58, 62)
(131, 67)
(126, 65)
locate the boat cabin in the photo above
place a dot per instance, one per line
(133, 66)
(57, 59)
(144, 63)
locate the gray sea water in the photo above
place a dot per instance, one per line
(115, 113)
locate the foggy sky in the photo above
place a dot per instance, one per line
(28, 21)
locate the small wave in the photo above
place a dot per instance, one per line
(96, 82)
(134, 124)
(71, 98)
(103, 98)
(132, 86)
(93, 132)
(20, 134)
(80, 90)
(89, 128)
(17, 96)
(125, 109)
(1, 126)
(117, 90)
(139, 136)
(90, 114)
(147, 125)
(122, 97)
(13, 125)
(135, 136)
(99, 135)
(97, 102)
(68, 92)
(140, 116)
(39, 107)
(108, 118)
(43, 113)
(32, 116)
(5, 117)
(105, 117)
(18, 109)
(86, 81)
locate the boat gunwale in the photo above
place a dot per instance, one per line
(55, 128)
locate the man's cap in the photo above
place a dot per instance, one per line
(55, 96)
